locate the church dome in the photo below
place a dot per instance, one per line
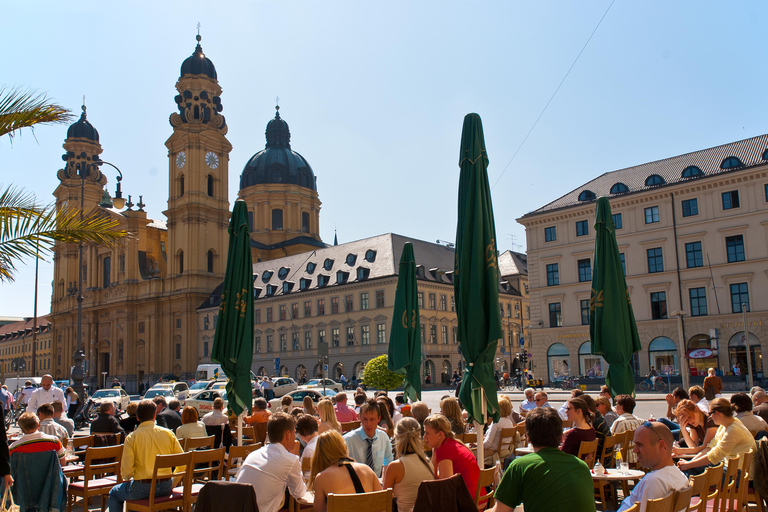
(82, 129)
(277, 163)
(198, 63)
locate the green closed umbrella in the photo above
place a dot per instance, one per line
(233, 341)
(405, 336)
(476, 276)
(612, 326)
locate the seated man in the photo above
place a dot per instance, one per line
(625, 406)
(35, 441)
(561, 411)
(697, 396)
(168, 415)
(217, 416)
(307, 427)
(138, 464)
(528, 404)
(541, 399)
(106, 423)
(368, 444)
(50, 427)
(653, 447)
(548, 479)
(58, 417)
(344, 413)
(760, 402)
(260, 412)
(274, 467)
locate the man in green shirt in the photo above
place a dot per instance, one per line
(548, 479)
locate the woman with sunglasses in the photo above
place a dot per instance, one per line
(731, 440)
(697, 428)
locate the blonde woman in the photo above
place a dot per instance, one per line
(334, 472)
(327, 415)
(405, 474)
(309, 406)
(449, 407)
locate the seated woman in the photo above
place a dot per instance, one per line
(309, 406)
(578, 412)
(190, 424)
(449, 407)
(449, 456)
(386, 424)
(334, 472)
(492, 439)
(327, 415)
(405, 474)
(697, 428)
(732, 439)
(513, 416)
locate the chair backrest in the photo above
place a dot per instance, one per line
(260, 432)
(567, 423)
(486, 479)
(665, 504)
(107, 439)
(80, 443)
(348, 426)
(171, 462)
(587, 451)
(193, 443)
(627, 444)
(609, 448)
(521, 437)
(208, 464)
(365, 502)
(102, 460)
(306, 464)
(236, 453)
(506, 442)
(729, 483)
(634, 508)
(711, 487)
(683, 499)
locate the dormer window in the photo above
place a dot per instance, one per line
(363, 273)
(266, 276)
(322, 280)
(287, 287)
(341, 277)
(304, 283)
(283, 273)
(271, 290)
(311, 267)
(370, 255)
(351, 259)
(257, 292)
(619, 188)
(587, 195)
(328, 264)
(692, 172)
(731, 162)
(653, 180)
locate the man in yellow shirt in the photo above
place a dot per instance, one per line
(138, 464)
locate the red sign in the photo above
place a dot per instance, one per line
(699, 353)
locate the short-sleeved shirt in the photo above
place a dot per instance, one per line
(547, 480)
(357, 445)
(574, 437)
(701, 430)
(37, 442)
(464, 463)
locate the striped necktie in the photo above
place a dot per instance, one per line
(369, 454)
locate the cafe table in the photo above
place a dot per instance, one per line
(613, 475)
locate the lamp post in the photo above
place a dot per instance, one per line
(747, 346)
(77, 371)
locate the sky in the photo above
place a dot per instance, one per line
(375, 94)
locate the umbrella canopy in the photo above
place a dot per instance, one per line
(405, 336)
(476, 275)
(233, 341)
(612, 326)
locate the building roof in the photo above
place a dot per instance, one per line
(198, 63)
(513, 263)
(353, 262)
(82, 129)
(705, 163)
(23, 327)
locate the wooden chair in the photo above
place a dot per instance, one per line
(610, 446)
(665, 504)
(706, 487)
(683, 499)
(193, 443)
(742, 486)
(208, 466)
(98, 462)
(627, 444)
(587, 452)
(306, 464)
(521, 437)
(177, 498)
(348, 426)
(235, 454)
(727, 486)
(567, 424)
(506, 443)
(486, 479)
(367, 502)
(634, 508)
(260, 433)
(80, 444)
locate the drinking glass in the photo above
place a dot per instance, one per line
(624, 468)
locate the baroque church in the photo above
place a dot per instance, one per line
(139, 320)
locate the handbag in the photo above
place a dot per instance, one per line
(8, 496)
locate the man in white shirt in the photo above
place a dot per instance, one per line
(306, 427)
(528, 404)
(561, 411)
(50, 427)
(653, 448)
(625, 406)
(47, 393)
(697, 397)
(275, 467)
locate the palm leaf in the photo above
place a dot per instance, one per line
(21, 108)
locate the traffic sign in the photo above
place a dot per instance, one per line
(522, 341)
(325, 367)
(503, 349)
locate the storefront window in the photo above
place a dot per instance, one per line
(700, 366)
(590, 365)
(737, 354)
(662, 354)
(557, 362)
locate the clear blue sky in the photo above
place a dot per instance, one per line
(375, 94)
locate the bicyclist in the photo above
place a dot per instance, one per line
(26, 392)
(652, 375)
(6, 398)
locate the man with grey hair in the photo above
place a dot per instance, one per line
(528, 404)
(653, 447)
(760, 401)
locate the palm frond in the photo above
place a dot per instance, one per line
(24, 108)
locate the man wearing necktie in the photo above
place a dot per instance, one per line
(368, 444)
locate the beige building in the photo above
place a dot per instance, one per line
(693, 234)
(18, 343)
(344, 295)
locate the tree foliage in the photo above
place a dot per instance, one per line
(377, 376)
(21, 108)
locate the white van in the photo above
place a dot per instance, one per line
(15, 383)
(209, 372)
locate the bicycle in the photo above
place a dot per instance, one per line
(570, 382)
(648, 385)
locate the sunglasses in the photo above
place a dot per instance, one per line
(650, 426)
(539, 400)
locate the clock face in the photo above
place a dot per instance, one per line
(181, 159)
(212, 159)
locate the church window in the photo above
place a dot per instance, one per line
(107, 270)
(304, 222)
(181, 262)
(210, 261)
(181, 185)
(277, 219)
(210, 185)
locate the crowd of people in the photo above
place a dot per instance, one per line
(398, 445)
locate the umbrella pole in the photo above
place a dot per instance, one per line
(240, 419)
(479, 431)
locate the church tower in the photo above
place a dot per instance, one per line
(198, 167)
(280, 189)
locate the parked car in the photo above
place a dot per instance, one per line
(201, 385)
(118, 397)
(283, 385)
(180, 389)
(298, 397)
(153, 392)
(203, 401)
(318, 383)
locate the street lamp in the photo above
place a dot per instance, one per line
(84, 170)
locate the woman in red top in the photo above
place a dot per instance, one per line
(449, 456)
(578, 412)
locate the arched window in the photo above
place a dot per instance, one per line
(304, 222)
(181, 185)
(210, 261)
(619, 188)
(731, 162)
(653, 180)
(558, 362)
(210, 185)
(662, 354)
(692, 172)
(589, 364)
(277, 219)
(737, 353)
(587, 195)
(181, 262)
